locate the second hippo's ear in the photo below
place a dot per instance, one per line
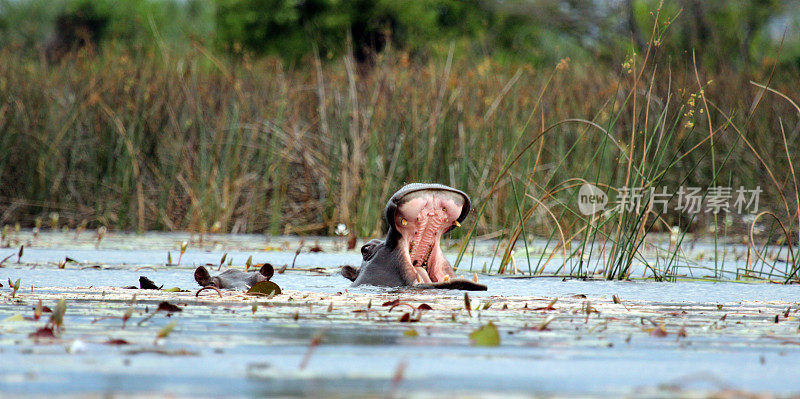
(202, 277)
(267, 271)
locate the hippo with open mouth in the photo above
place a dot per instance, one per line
(410, 255)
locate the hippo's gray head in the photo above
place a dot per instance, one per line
(232, 278)
(418, 215)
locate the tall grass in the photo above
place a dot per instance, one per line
(143, 139)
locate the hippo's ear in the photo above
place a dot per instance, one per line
(202, 277)
(369, 249)
(350, 272)
(267, 271)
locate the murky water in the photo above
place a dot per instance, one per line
(222, 347)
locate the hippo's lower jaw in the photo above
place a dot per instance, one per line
(422, 218)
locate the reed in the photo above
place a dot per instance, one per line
(140, 139)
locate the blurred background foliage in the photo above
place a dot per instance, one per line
(737, 34)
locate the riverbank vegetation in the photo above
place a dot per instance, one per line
(132, 118)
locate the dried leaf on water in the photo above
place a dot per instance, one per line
(168, 307)
(486, 335)
(658, 331)
(44, 332)
(392, 303)
(549, 305)
(543, 326)
(126, 316)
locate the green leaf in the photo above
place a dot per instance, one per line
(264, 288)
(411, 333)
(16, 317)
(487, 335)
(166, 330)
(174, 289)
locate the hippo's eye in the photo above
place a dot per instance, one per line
(444, 210)
(403, 221)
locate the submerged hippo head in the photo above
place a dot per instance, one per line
(410, 255)
(232, 278)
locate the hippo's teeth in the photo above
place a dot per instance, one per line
(457, 224)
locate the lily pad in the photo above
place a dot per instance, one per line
(487, 335)
(264, 288)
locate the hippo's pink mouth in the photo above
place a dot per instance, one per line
(422, 218)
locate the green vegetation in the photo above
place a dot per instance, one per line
(291, 117)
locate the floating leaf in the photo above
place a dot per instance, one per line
(169, 258)
(264, 288)
(411, 333)
(166, 330)
(44, 332)
(168, 307)
(37, 311)
(392, 303)
(486, 335)
(117, 342)
(14, 318)
(659, 331)
(126, 316)
(174, 289)
(248, 263)
(57, 318)
(544, 324)
(424, 306)
(487, 305)
(405, 318)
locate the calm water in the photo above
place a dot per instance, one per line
(235, 355)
